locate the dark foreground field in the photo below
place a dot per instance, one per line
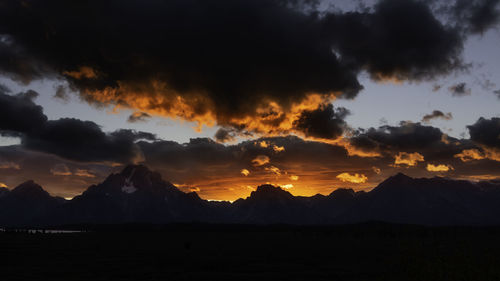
(358, 252)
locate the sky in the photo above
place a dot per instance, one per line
(222, 96)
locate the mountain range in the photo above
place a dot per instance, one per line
(139, 195)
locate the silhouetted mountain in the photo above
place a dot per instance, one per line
(430, 201)
(271, 205)
(138, 195)
(27, 205)
(335, 206)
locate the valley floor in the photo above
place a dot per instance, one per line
(187, 252)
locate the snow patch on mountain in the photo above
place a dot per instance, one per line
(128, 186)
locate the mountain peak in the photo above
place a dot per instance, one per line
(140, 176)
(133, 169)
(397, 181)
(342, 193)
(30, 189)
(27, 185)
(131, 179)
(268, 188)
(398, 178)
(270, 191)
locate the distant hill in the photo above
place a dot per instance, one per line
(138, 195)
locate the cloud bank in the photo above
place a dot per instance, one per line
(230, 62)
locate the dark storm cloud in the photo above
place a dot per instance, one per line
(437, 114)
(138, 117)
(460, 90)
(476, 16)
(323, 122)
(407, 136)
(19, 114)
(199, 151)
(428, 141)
(298, 151)
(486, 132)
(400, 39)
(206, 153)
(17, 63)
(225, 59)
(85, 141)
(462, 158)
(235, 51)
(67, 137)
(465, 158)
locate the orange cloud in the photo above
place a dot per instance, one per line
(260, 160)
(469, 155)
(245, 172)
(263, 144)
(354, 178)
(492, 153)
(278, 148)
(274, 170)
(475, 154)
(272, 119)
(444, 139)
(480, 177)
(61, 170)
(3, 185)
(268, 117)
(439, 168)
(294, 177)
(157, 98)
(83, 72)
(9, 165)
(410, 159)
(216, 185)
(383, 78)
(83, 173)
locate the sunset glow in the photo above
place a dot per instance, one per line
(315, 96)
